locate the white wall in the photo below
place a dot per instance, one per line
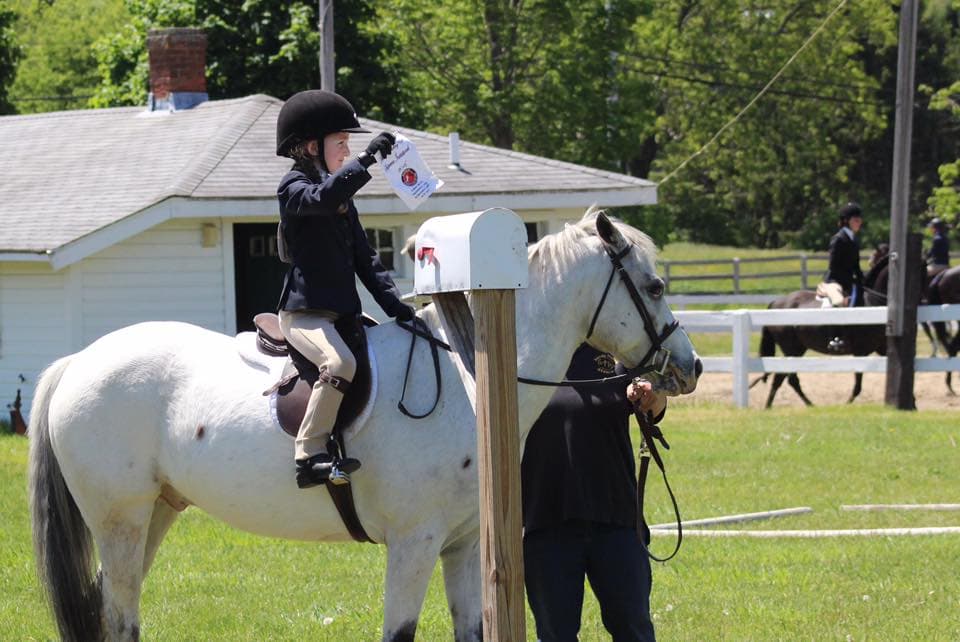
(163, 274)
(33, 326)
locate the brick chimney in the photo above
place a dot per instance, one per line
(178, 65)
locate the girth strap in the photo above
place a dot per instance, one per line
(342, 496)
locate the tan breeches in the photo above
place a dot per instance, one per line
(312, 333)
(933, 269)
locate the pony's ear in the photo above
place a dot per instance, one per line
(609, 232)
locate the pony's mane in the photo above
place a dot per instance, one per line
(558, 249)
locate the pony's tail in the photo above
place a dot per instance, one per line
(62, 542)
(768, 348)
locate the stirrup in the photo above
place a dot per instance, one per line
(338, 477)
(340, 473)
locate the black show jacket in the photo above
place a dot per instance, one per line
(328, 246)
(844, 266)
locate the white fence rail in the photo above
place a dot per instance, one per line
(743, 322)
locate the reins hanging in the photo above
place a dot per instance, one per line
(650, 433)
(433, 341)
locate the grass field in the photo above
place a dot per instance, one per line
(214, 583)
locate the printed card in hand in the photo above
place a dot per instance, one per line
(408, 174)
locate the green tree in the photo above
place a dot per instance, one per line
(58, 69)
(253, 46)
(537, 76)
(936, 137)
(945, 200)
(9, 56)
(777, 174)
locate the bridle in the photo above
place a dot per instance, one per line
(657, 357)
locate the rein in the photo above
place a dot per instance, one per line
(650, 434)
(434, 342)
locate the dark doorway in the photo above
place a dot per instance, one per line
(258, 271)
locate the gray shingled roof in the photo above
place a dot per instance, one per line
(66, 175)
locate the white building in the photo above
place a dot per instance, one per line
(110, 217)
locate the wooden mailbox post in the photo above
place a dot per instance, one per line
(485, 253)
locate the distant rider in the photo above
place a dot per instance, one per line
(938, 256)
(844, 266)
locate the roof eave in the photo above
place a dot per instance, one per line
(186, 207)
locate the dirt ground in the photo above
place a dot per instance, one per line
(826, 389)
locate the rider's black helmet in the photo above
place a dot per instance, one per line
(849, 210)
(314, 114)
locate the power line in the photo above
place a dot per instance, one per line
(763, 91)
(781, 92)
(755, 74)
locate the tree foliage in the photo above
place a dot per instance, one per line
(253, 46)
(778, 172)
(539, 76)
(9, 56)
(945, 200)
(58, 69)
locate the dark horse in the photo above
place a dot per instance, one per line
(945, 288)
(794, 341)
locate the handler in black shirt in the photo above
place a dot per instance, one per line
(579, 508)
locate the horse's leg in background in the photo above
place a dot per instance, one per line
(857, 386)
(953, 345)
(933, 340)
(411, 559)
(777, 382)
(942, 335)
(461, 578)
(794, 382)
(768, 348)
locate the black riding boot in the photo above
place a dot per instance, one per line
(322, 468)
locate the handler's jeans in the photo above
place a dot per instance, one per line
(611, 557)
(313, 334)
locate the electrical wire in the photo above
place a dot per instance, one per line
(762, 92)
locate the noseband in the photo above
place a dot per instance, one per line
(657, 356)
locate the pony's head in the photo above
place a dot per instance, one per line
(622, 302)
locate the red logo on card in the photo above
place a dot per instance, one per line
(408, 177)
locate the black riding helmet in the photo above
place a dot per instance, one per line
(314, 114)
(849, 210)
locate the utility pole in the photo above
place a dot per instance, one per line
(325, 23)
(900, 356)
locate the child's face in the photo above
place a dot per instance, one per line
(336, 148)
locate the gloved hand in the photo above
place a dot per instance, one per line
(383, 143)
(404, 313)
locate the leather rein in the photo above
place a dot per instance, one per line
(655, 360)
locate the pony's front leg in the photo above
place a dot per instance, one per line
(410, 562)
(461, 578)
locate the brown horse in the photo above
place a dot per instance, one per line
(794, 341)
(945, 288)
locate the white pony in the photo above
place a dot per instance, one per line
(159, 415)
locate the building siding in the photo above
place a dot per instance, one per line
(33, 326)
(163, 274)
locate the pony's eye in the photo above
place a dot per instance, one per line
(655, 289)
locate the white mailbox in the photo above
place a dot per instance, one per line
(476, 251)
